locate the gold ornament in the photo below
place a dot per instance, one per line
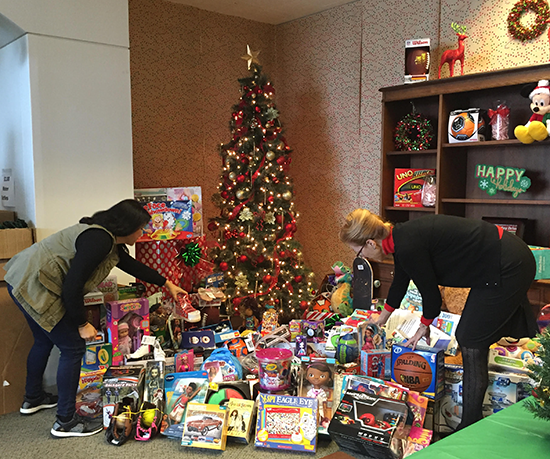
(271, 237)
(269, 218)
(241, 281)
(242, 194)
(251, 57)
(232, 176)
(246, 214)
(270, 155)
(287, 195)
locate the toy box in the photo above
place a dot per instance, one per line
(422, 371)
(542, 257)
(127, 321)
(153, 391)
(180, 389)
(205, 426)
(370, 425)
(89, 402)
(169, 220)
(286, 422)
(120, 382)
(314, 330)
(194, 195)
(317, 381)
(376, 363)
(504, 390)
(417, 60)
(222, 393)
(184, 360)
(198, 338)
(468, 125)
(370, 336)
(109, 288)
(407, 190)
(98, 357)
(449, 411)
(498, 360)
(241, 419)
(223, 331)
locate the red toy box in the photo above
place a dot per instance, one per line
(407, 186)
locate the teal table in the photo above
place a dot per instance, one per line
(512, 433)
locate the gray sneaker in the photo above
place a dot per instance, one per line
(77, 427)
(31, 407)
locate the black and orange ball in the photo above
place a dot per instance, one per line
(412, 371)
(463, 126)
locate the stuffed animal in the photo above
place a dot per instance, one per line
(538, 126)
(341, 300)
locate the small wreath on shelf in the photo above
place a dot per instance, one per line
(413, 132)
(540, 8)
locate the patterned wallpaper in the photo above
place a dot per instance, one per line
(326, 70)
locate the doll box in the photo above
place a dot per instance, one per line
(376, 363)
(241, 419)
(422, 371)
(120, 382)
(368, 424)
(205, 426)
(286, 422)
(407, 186)
(127, 321)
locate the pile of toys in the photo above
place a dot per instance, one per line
(157, 368)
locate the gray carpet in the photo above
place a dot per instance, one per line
(25, 437)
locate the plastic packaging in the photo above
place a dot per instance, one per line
(274, 368)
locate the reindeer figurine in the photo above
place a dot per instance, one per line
(452, 55)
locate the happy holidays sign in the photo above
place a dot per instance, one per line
(502, 178)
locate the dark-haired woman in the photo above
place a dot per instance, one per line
(48, 282)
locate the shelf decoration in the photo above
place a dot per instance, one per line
(413, 132)
(499, 121)
(452, 55)
(542, 16)
(502, 178)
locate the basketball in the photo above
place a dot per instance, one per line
(412, 371)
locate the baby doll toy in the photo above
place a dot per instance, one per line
(124, 340)
(538, 127)
(319, 376)
(250, 313)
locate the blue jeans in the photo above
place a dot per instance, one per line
(66, 337)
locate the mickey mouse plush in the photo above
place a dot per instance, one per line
(538, 126)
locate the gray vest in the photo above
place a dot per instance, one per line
(37, 274)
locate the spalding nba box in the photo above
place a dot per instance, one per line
(468, 125)
(421, 371)
(370, 425)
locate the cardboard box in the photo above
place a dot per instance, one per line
(14, 240)
(468, 126)
(98, 357)
(376, 363)
(16, 341)
(407, 186)
(542, 257)
(370, 425)
(7, 216)
(89, 402)
(449, 411)
(504, 390)
(241, 419)
(120, 382)
(422, 371)
(205, 426)
(417, 60)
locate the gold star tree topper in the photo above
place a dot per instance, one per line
(251, 57)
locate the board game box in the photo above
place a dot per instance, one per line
(205, 426)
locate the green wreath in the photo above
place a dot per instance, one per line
(413, 132)
(539, 7)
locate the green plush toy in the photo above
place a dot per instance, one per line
(341, 300)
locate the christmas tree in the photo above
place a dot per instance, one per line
(540, 373)
(257, 251)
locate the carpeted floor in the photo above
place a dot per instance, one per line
(25, 437)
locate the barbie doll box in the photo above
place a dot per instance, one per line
(371, 425)
(127, 322)
(286, 422)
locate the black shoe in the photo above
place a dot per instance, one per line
(47, 401)
(77, 427)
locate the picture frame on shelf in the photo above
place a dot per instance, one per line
(512, 225)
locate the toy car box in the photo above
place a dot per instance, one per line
(370, 425)
(120, 382)
(205, 426)
(127, 321)
(408, 184)
(422, 371)
(449, 411)
(504, 390)
(286, 422)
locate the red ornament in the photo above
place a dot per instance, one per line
(289, 227)
(244, 160)
(298, 279)
(275, 179)
(279, 218)
(282, 254)
(243, 258)
(236, 302)
(267, 279)
(270, 199)
(225, 195)
(241, 178)
(242, 234)
(258, 109)
(224, 266)
(304, 305)
(260, 259)
(213, 226)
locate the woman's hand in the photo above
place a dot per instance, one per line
(174, 290)
(423, 331)
(87, 331)
(383, 318)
